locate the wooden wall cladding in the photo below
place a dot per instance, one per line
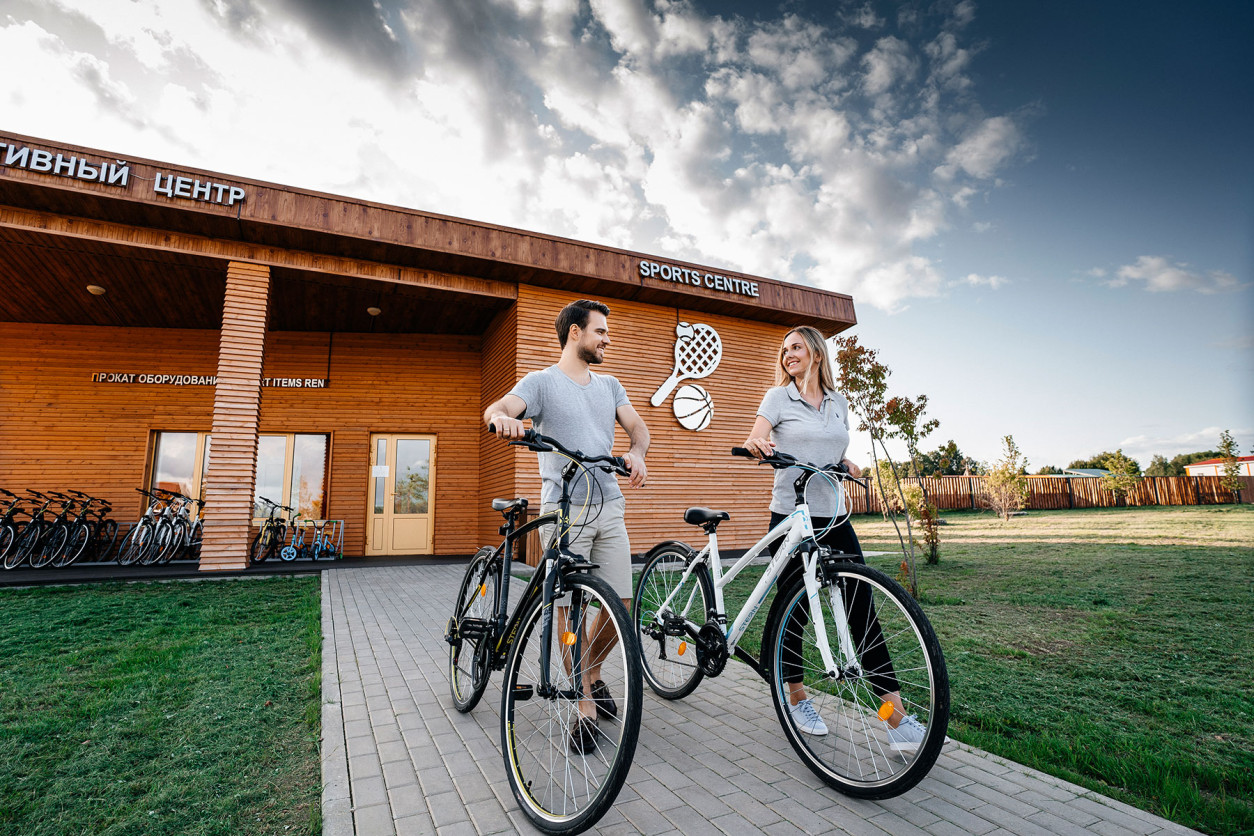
(498, 371)
(685, 468)
(385, 383)
(228, 484)
(59, 429)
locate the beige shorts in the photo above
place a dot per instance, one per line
(602, 540)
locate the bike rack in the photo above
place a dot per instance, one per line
(332, 531)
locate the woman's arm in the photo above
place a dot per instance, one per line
(759, 441)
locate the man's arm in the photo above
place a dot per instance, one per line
(504, 416)
(639, 435)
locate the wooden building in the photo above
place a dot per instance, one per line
(161, 325)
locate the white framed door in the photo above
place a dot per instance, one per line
(400, 518)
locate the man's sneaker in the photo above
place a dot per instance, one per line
(583, 735)
(606, 707)
(908, 735)
(806, 718)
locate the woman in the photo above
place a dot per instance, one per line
(805, 417)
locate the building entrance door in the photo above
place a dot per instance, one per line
(402, 481)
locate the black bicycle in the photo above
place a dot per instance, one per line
(273, 534)
(565, 769)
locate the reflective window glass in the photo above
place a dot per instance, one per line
(380, 482)
(309, 469)
(174, 462)
(271, 461)
(413, 467)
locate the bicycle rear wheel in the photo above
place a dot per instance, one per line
(27, 540)
(50, 546)
(8, 542)
(563, 781)
(106, 536)
(80, 535)
(469, 634)
(668, 656)
(859, 754)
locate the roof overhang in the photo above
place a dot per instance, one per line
(162, 235)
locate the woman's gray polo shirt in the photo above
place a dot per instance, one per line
(813, 435)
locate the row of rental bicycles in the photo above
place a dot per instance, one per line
(58, 529)
(856, 674)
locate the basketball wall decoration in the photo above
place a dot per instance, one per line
(694, 408)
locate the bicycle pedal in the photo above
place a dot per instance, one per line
(523, 692)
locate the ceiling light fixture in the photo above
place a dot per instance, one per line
(95, 290)
(373, 311)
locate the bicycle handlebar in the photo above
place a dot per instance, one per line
(541, 443)
(782, 461)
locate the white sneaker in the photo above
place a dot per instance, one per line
(806, 718)
(908, 735)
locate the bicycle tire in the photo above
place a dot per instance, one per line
(8, 537)
(668, 660)
(51, 544)
(16, 553)
(468, 670)
(260, 548)
(106, 538)
(80, 535)
(27, 540)
(558, 789)
(856, 756)
(159, 538)
(175, 542)
(195, 540)
(131, 549)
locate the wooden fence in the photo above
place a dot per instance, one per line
(1052, 493)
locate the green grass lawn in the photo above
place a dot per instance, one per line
(161, 708)
(1113, 648)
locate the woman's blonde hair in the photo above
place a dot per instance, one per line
(818, 350)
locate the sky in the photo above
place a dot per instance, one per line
(1043, 210)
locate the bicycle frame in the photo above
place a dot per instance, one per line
(797, 531)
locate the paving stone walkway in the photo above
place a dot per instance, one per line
(398, 759)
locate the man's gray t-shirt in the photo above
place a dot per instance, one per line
(820, 436)
(580, 417)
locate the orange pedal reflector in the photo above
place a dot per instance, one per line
(568, 639)
(886, 711)
(683, 646)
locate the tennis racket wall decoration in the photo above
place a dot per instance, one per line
(698, 350)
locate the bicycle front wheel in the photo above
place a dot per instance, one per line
(8, 540)
(50, 546)
(468, 632)
(668, 656)
(565, 773)
(899, 672)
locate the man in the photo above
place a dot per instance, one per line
(571, 403)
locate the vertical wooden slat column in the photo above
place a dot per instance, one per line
(232, 469)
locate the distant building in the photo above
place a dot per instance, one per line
(1215, 467)
(1093, 472)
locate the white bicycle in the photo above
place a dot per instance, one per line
(860, 646)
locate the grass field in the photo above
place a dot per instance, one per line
(1113, 648)
(161, 708)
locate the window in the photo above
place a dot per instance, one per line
(291, 469)
(178, 462)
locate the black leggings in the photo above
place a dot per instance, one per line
(863, 624)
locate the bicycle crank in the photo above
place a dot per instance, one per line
(711, 649)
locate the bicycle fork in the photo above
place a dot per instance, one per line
(573, 637)
(835, 671)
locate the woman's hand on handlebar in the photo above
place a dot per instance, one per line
(853, 469)
(759, 446)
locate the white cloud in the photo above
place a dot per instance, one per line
(1160, 275)
(784, 147)
(994, 282)
(1143, 448)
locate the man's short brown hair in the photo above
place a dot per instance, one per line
(576, 313)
